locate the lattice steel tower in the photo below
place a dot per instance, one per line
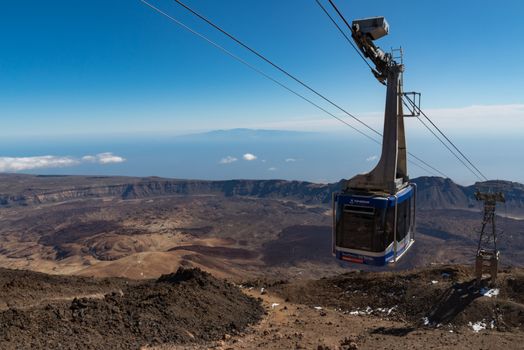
(487, 253)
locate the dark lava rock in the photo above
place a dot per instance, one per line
(185, 307)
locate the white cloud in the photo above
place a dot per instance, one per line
(371, 158)
(103, 158)
(272, 169)
(14, 164)
(249, 157)
(228, 160)
(486, 119)
(290, 160)
(89, 159)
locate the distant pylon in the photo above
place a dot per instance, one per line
(487, 253)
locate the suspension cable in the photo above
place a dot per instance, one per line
(438, 138)
(482, 176)
(249, 65)
(229, 53)
(428, 165)
(344, 34)
(282, 70)
(208, 21)
(452, 144)
(340, 15)
(412, 162)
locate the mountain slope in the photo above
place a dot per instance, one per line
(433, 192)
(144, 227)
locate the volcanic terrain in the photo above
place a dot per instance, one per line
(112, 264)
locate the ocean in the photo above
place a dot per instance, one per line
(250, 154)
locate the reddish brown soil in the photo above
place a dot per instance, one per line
(221, 252)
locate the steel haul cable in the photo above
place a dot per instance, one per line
(273, 79)
(478, 172)
(282, 70)
(441, 141)
(249, 65)
(344, 34)
(452, 144)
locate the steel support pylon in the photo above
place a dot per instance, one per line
(487, 258)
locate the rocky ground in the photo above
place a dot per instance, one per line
(189, 306)
(439, 307)
(103, 245)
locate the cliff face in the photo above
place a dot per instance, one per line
(40, 190)
(433, 192)
(305, 191)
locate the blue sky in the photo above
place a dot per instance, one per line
(95, 69)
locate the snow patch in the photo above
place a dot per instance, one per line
(369, 311)
(385, 310)
(478, 326)
(489, 292)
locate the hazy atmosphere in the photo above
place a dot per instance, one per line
(118, 78)
(251, 154)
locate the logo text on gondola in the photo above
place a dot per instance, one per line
(358, 201)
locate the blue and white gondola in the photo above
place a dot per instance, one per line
(373, 228)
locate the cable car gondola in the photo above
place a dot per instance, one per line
(374, 228)
(374, 215)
